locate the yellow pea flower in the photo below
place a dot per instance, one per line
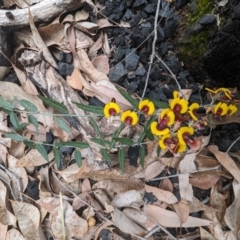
(129, 117)
(147, 107)
(111, 109)
(220, 109)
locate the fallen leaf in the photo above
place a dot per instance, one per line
(185, 187)
(182, 210)
(81, 15)
(96, 46)
(14, 234)
(28, 217)
(170, 219)
(136, 215)
(101, 63)
(125, 224)
(205, 235)
(75, 80)
(161, 195)
(226, 161)
(204, 180)
(153, 169)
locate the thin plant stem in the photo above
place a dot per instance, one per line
(232, 144)
(153, 48)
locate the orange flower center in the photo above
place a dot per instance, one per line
(112, 112)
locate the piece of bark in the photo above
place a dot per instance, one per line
(42, 12)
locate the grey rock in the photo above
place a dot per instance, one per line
(207, 19)
(132, 87)
(131, 61)
(140, 71)
(117, 73)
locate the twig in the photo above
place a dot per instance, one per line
(176, 175)
(62, 216)
(153, 48)
(232, 144)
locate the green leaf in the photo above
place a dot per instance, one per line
(126, 141)
(121, 158)
(63, 125)
(29, 144)
(116, 134)
(29, 106)
(98, 141)
(21, 126)
(128, 97)
(54, 104)
(34, 122)
(78, 157)
(149, 134)
(142, 155)
(42, 151)
(159, 104)
(14, 119)
(15, 136)
(95, 127)
(147, 126)
(106, 155)
(72, 144)
(89, 108)
(57, 157)
(6, 103)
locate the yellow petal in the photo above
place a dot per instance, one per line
(161, 143)
(231, 109)
(151, 108)
(193, 115)
(157, 132)
(226, 91)
(142, 104)
(115, 106)
(193, 106)
(181, 148)
(134, 118)
(106, 111)
(210, 90)
(174, 102)
(125, 115)
(216, 107)
(175, 94)
(224, 109)
(184, 130)
(171, 116)
(184, 105)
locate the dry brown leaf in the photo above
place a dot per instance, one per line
(161, 195)
(96, 46)
(106, 46)
(185, 187)
(81, 15)
(203, 161)
(103, 199)
(101, 63)
(40, 43)
(166, 185)
(73, 223)
(3, 154)
(6, 217)
(204, 180)
(135, 215)
(28, 217)
(75, 80)
(103, 22)
(19, 172)
(125, 224)
(119, 186)
(32, 159)
(170, 219)
(14, 234)
(128, 198)
(232, 216)
(187, 163)
(196, 206)
(88, 68)
(226, 161)
(231, 236)
(105, 91)
(82, 41)
(205, 235)
(3, 72)
(52, 34)
(186, 92)
(182, 210)
(87, 27)
(86, 186)
(3, 231)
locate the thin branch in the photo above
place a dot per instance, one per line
(153, 48)
(232, 144)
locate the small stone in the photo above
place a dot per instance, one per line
(197, 27)
(137, 38)
(162, 49)
(135, 20)
(171, 24)
(65, 57)
(12, 78)
(173, 63)
(146, 28)
(127, 16)
(131, 76)
(192, 6)
(150, 8)
(143, 58)
(132, 87)
(131, 61)
(140, 71)
(180, 3)
(65, 69)
(117, 73)
(144, 15)
(160, 34)
(164, 11)
(119, 54)
(207, 19)
(187, 34)
(155, 72)
(139, 3)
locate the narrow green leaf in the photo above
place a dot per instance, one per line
(126, 141)
(29, 106)
(57, 157)
(78, 157)
(54, 104)
(14, 119)
(98, 141)
(128, 97)
(72, 144)
(95, 127)
(116, 134)
(29, 144)
(6, 103)
(159, 104)
(147, 126)
(149, 134)
(14, 136)
(34, 122)
(63, 125)
(21, 126)
(106, 155)
(89, 108)
(42, 151)
(142, 155)
(121, 158)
